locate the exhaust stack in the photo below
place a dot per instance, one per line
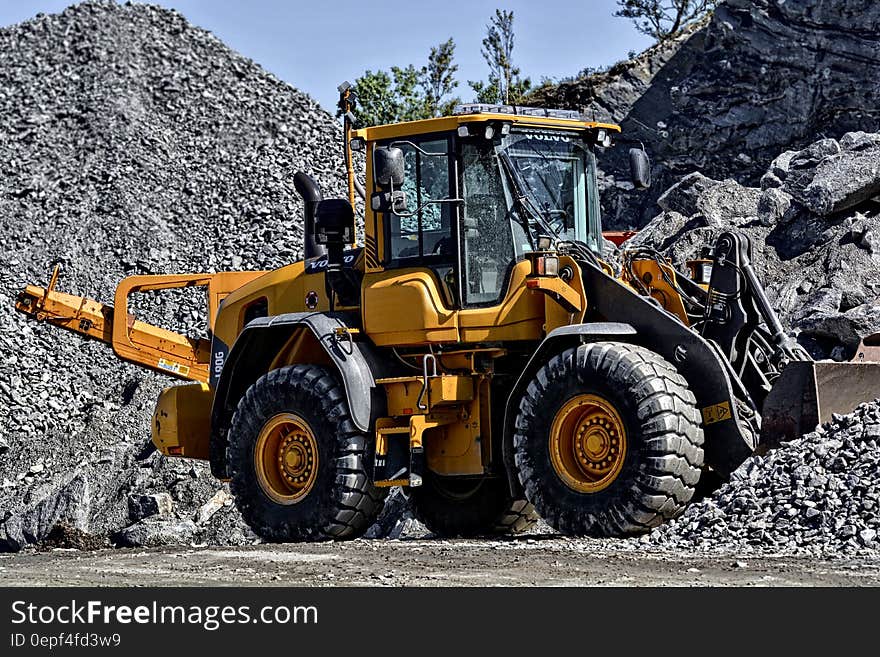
(311, 195)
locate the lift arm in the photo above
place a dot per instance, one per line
(133, 340)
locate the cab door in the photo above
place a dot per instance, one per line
(414, 299)
(496, 304)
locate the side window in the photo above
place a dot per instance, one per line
(487, 247)
(428, 233)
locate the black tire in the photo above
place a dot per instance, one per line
(455, 506)
(342, 502)
(663, 434)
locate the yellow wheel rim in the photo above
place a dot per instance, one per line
(286, 458)
(587, 443)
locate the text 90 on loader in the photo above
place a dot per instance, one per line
(480, 348)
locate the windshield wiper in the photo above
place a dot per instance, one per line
(520, 218)
(546, 171)
(524, 201)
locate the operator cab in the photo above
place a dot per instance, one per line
(478, 190)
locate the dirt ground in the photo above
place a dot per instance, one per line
(535, 561)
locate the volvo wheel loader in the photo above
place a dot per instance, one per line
(482, 348)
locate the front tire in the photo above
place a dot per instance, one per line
(466, 507)
(298, 464)
(608, 441)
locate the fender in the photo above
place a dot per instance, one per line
(256, 347)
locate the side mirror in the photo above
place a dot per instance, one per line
(639, 168)
(388, 166)
(389, 201)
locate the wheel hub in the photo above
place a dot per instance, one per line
(587, 443)
(286, 458)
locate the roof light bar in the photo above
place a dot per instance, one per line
(488, 108)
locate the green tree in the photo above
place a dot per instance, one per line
(375, 101)
(408, 93)
(438, 79)
(410, 102)
(384, 97)
(663, 19)
(487, 92)
(505, 83)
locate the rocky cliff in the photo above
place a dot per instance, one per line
(759, 78)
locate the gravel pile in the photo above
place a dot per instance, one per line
(130, 142)
(819, 494)
(815, 230)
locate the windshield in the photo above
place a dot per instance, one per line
(514, 189)
(556, 173)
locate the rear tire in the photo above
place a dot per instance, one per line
(318, 487)
(608, 441)
(454, 506)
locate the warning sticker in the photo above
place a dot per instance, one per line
(171, 366)
(716, 413)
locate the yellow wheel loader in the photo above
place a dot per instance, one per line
(482, 348)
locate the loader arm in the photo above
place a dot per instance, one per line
(136, 341)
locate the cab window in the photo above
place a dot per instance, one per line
(426, 236)
(488, 227)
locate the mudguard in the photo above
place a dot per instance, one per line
(258, 344)
(728, 439)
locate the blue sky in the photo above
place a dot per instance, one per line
(314, 45)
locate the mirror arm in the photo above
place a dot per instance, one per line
(397, 144)
(359, 188)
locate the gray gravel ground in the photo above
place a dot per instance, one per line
(817, 495)
(536, 561)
